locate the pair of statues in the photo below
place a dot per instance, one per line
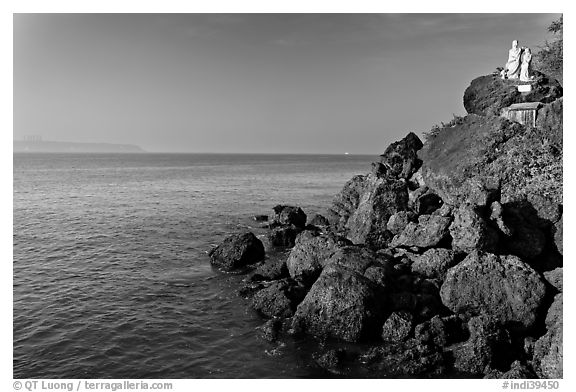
(518, 65)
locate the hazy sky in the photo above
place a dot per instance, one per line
(286, 83)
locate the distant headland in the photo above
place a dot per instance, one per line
(38, 146)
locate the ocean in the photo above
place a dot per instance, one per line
(111, 275)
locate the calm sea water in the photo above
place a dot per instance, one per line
(111, 276)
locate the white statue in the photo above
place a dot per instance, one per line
(525, 66)
(512, 67)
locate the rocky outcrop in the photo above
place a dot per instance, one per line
(488, 95)
(237, 251)
(504, 287)
(400, 160)
(310, 254)
(341, 304)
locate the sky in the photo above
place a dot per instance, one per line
(253, 83)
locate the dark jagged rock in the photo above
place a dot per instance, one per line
(330, 360)
(346, 201)
(271, 269)
(427, 203)
(400, 158)
(441, 331)
(504, 287)
(283, 236)
(558, 233)
(404, 359)
(434, 263)
(397, 327)
(489, 346)
(311, 252)
(469, 231)
(488, 95)
(379, 239)
(279, 299)
(428, 232)
(399, 220)
(382, 198)
(288, 215)
(237, 251)
(260, 218)
(270, 330)
(548, 350)
(341, 304)
(555, 278)
(319, 221)
(527, 240)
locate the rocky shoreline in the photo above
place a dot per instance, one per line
(445, 259)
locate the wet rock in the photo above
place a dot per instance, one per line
(504, 287)
(469, 232)
(399, 220)
(488, 346)
(400, 158)
(330, 360)
(428, 232)
(310, 253)
(434, 263)
(270, 330)
(288, 215)
(404, 359)
(548, 350)
(279, 299)
(284, 236)
(518, 370)
(260, 218)
(237, 251)
(382, 198)
(271, 269)
(397, 327)
(555, 278)
(248, 289)
(488, 95)
(341, 304)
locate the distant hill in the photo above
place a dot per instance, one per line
(62, 147)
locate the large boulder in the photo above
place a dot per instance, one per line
(503, 287)
(469, 231)
(397, 327)
(428, 232)
(284, 236)
(382, 198)
(400, 158)
(489, 94)
(311, 252)
(346, 201)
(341, 304)
(288, 215)
(237, 251)
(548, 350)
(279, 299)
(272, 269)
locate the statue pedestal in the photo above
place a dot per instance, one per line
(524, 113)
(524, 88)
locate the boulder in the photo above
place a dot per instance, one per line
(288, 215)
(400, 158)
(397, 327)
(555, 278)
(271, 269)
(398, 221)
(488, 95)
(284, 236)
(330, 360)
(441, 331)
(310, 253)
(382, 198)
(489, 346)
(518, 370)
(434, 263)
(341, 304)
(346, 201)
(428, 232)
(319, 221)
(237, 251)
(279, 299)
(270, 330)
(469, 231)
(558, 233)
(548, 350)
(503, 287)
